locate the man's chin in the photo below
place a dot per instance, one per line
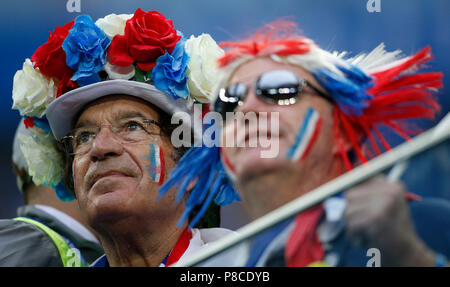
(111, 203)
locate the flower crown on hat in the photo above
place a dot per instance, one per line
(369, 91)
(43, 161)
(143, 47)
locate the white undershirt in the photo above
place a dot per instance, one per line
(202, 238)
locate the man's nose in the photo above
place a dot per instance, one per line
(253, 104)
(105, 145)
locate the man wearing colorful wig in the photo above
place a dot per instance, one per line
(330, 110)
(108, 90)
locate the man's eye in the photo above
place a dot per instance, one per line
(84, 137)
(133, 126)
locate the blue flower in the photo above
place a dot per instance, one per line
(85, 48)
(169, 74)
(42, 123)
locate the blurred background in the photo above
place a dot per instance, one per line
(347, 25)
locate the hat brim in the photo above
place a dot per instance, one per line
(62, 111)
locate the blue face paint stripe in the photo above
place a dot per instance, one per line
(152, 162)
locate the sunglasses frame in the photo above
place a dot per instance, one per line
(302, 82)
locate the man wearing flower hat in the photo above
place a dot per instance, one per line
(113, 87)
(48, 232)
(329, 112)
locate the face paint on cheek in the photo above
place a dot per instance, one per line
(306, 136)
(229, 169)
(162, 166)
(157, 164)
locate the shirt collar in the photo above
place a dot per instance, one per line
(69, 222)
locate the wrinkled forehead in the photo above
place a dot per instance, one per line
(249, 71)
(115, 107)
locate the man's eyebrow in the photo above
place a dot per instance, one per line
(116, 116)
(83, 123)
(128, 114)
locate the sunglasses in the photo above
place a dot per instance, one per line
(277, 87)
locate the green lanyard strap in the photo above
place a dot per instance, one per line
(68, 257)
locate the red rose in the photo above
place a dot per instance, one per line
(147, 36)
(66, 85)
(50, 58)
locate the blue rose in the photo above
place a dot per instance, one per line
(85, 48)
(169, 74)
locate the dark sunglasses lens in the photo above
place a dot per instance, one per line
(229, 98)
(279, 85)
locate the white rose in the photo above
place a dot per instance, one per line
(32, 91)
(113, 24)
(202, 68)
(44, 161)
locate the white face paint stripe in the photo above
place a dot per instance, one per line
(305, 135)
(308, 136)
(313, 139)
(158, 164)
(155, 163)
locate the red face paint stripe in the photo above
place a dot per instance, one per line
(162, 166)
(313, 139)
